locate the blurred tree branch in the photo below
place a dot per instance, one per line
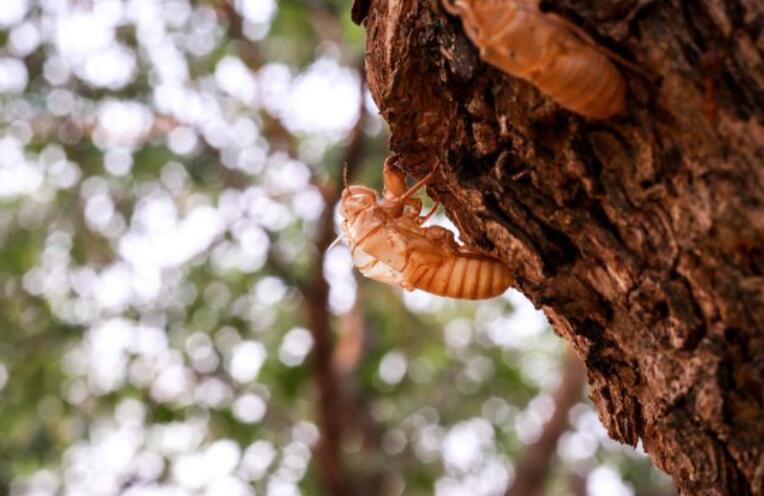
(577, 483)
(533, 465)
(316, 294)
(337, 406)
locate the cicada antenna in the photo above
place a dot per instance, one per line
(334, 243)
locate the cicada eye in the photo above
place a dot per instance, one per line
(356, 202)
(361, 201)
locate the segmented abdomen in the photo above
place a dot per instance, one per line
(584, 81)
(465, 277)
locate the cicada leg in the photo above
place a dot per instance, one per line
(395, 187)
(395, 190)
(394, 178)
(475, 252)
(455, 9)
(424, 218)
(439, 234)
(419, 185)
(469, 22)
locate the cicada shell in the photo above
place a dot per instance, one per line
(553, 54)
(389, 244)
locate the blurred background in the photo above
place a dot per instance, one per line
(171, 322)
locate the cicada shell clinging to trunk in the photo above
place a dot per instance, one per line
(390, 244)
(550, 52)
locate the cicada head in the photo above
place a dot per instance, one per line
(356, 199)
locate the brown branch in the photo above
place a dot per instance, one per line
(349, 353)
(351, 340)
(532, 468)
(331, 397)
(577, 484)
(333, 400)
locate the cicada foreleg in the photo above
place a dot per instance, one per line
(394, 179)
(395, 183)
(455, 9)
(459, 9)
(395, 186)
(395, 190)
(419, 185)
(424, 218)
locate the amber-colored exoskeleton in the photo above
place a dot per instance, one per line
(390, 244)
(550, 52)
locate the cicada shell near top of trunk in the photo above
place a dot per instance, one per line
(553, 54)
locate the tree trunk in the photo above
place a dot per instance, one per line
(641, 237)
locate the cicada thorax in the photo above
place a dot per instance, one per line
(508, 36)
(524, 42)
(377, 248)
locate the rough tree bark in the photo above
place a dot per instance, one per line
(641, 237)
